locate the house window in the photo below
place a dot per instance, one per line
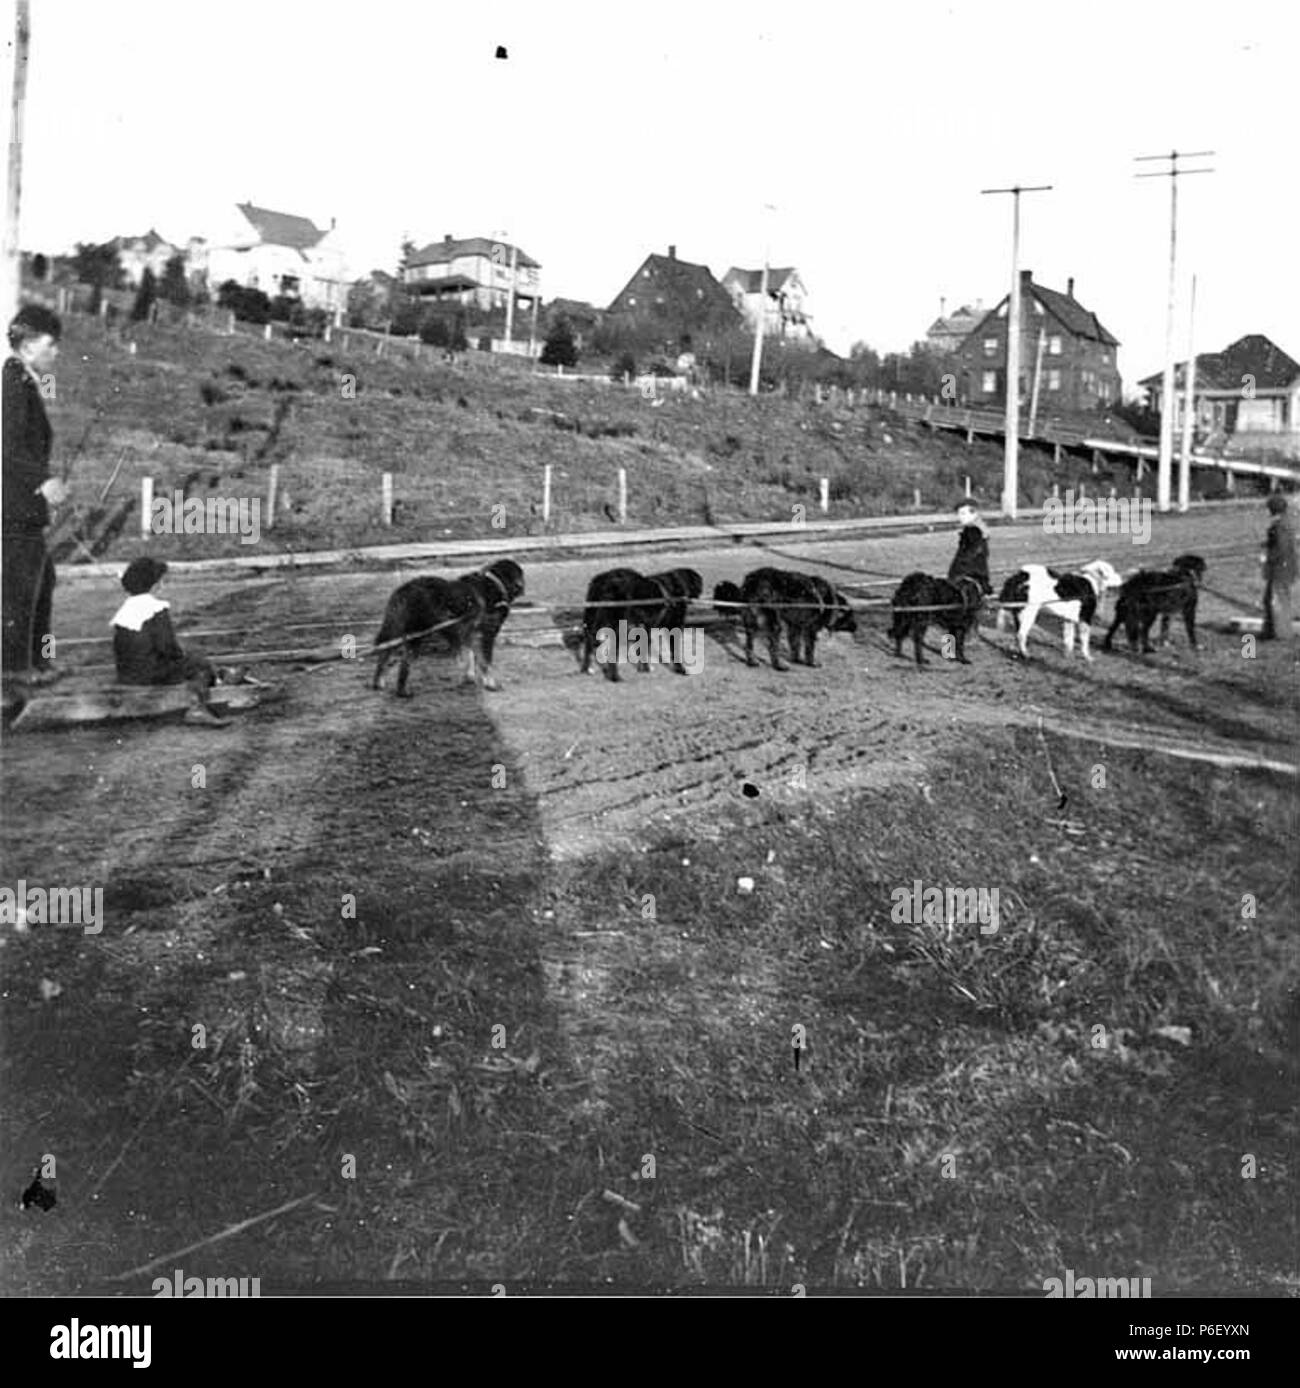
(1038, 309)
(1105, 358)
(1054, 378)
(1054, 346)
(631, 303)
(990, 346)
(989, 383)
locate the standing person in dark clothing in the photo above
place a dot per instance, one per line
(1278, 560)
(972, 557)
(28, 493)
(145, 645)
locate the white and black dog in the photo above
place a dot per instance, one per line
(1073, 597)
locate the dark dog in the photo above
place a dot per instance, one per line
(804, 603)
(633, 598)
(1153, 593)
(954, 606)
(466, 611)
(680, 588)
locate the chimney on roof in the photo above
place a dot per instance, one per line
(943, 303)
(1026, 278)
(1069, 288)
(446, 240)
(672, 252)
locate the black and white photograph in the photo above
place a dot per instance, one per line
(649, 652)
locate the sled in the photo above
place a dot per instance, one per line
(52, 707)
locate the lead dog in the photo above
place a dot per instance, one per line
(804, 604)
(465, 612)
(1152, 593)
(1073, 597)
(921, 601)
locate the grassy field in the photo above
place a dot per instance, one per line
(466, 444)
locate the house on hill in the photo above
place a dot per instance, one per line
(280, 253)
(136, 254)
(949, 331)
(476, 270)
(1247, 395)
(677, 300)
(1079, 357)
(785, 314)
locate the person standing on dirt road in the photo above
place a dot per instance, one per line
(28, 493)
(1278, 560)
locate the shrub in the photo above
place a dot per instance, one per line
(624, 366)
(248, 305)
(560, 348)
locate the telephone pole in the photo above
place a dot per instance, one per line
(1011, 457)
(11, 268)
(1164, 472)
(1189, 409)
(756, 360)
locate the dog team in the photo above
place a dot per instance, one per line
(627, 614)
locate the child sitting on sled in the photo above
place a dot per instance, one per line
(146, 648)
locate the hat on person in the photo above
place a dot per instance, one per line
(141, 574)
(1277, 503)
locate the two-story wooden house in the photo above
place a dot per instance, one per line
(784, 311)
(1061, 341)
(477, 270)
(1246, 397)
(283, 255)
(950, 330)
(678, 301)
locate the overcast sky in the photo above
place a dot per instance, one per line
(613, 130)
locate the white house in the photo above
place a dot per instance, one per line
(277, 252)
(136, 254)
(785, 313)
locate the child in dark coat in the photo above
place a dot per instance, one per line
(972, 557)
(145, 645)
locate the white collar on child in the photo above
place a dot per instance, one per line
(137, 610)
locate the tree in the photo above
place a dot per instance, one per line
(99, 267)
(249, 305)
(559, 349)
(175, 287)
(144, 298)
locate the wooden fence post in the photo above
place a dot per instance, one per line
(266, 332)
(916, 498)
(272, 495)
(386, 484)
(546, 494)
(968, 484)
(146, 507)
(1056, 455)
(1056, 491)
(622, 496)
(826, 493)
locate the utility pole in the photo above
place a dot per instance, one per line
(11, 269)
(1038, 373)
(1011, 457)
(757, 358)
(1164, 473)
(510, 302)
(1189, 409)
